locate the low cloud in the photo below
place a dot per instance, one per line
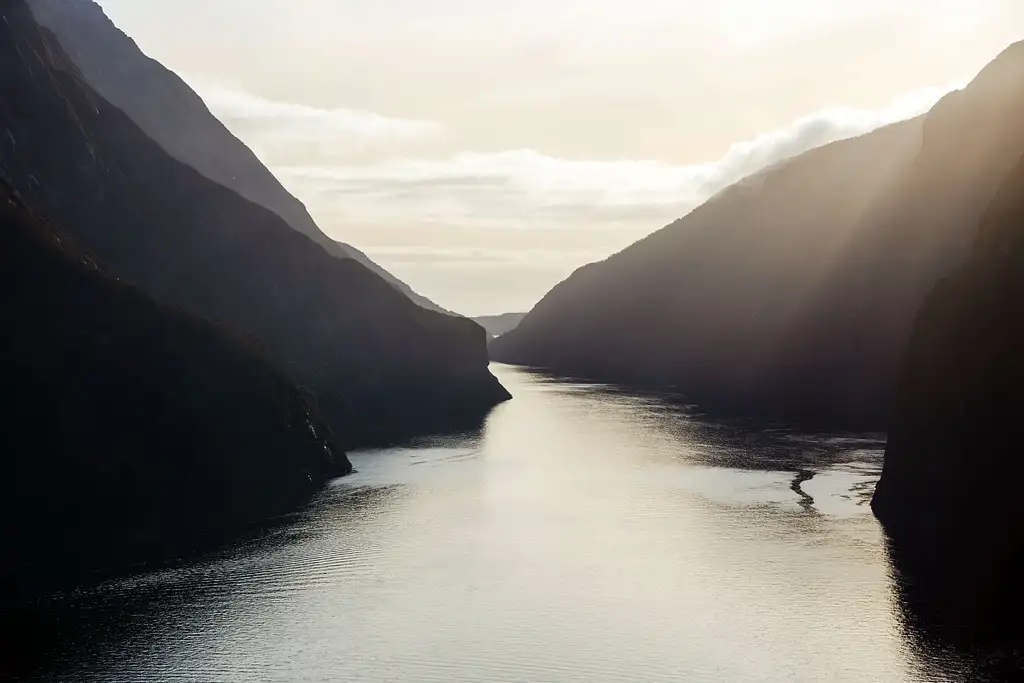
(524, 188)
(285, 133)
(359, 166)
(394, 181)
(485, 257)
(820, 128)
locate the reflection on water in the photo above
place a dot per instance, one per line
(585, 535)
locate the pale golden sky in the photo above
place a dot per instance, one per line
(482, 150)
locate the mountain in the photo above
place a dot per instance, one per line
(353, 253)
(790, 295)
(379, 365)
(171, 113)
(497, 325)
(134, 432)
(949, 497)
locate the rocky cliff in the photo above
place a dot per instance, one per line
(379, 365)
(132, 432)
(950, 497)
(171, 113)
(790, 294)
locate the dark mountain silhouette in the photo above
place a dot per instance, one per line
(379, 365)
(497, 325)
(791, 294)
(171, 113)
(133, 431)
(950, 496)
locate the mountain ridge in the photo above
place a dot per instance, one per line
(176, 117)
(380, 365)
(118, 404)
(790, 295)
(948, 497)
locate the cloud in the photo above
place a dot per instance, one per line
(815, 130)
(525, 188)
(403, 192)
(284, 133)
(493, 189)
(485, 257)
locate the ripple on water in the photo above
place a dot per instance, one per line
(585, 534)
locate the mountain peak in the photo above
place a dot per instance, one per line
(177, 118)
(368, 352)
(1003, 73)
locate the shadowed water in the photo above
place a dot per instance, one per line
(586, 535)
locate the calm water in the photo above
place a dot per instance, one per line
(586, 535)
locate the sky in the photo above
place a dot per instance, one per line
(482, 150)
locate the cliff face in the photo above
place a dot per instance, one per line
(791, 294)
(379, 365)
(950, 497)
(133, 432)
(171, 113)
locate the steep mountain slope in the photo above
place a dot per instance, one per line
(791, 294)
(949, 497)
(497, 325)
(170, 112)
(132, 431)
(379, 365)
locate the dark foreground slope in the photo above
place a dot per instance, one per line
(132, 431)
(379, 365)
(170, 112)
(791, 294)
(950, 496)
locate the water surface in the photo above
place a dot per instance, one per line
(586, 535)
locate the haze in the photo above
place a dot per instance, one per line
(481, 151)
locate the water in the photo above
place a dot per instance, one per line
(586, 535)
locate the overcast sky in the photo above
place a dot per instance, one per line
(482, 150)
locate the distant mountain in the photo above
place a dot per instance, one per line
(497, 325)
(171, 113)
(791, 294)
(379, 365)
(950, 496)
(132, 431)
